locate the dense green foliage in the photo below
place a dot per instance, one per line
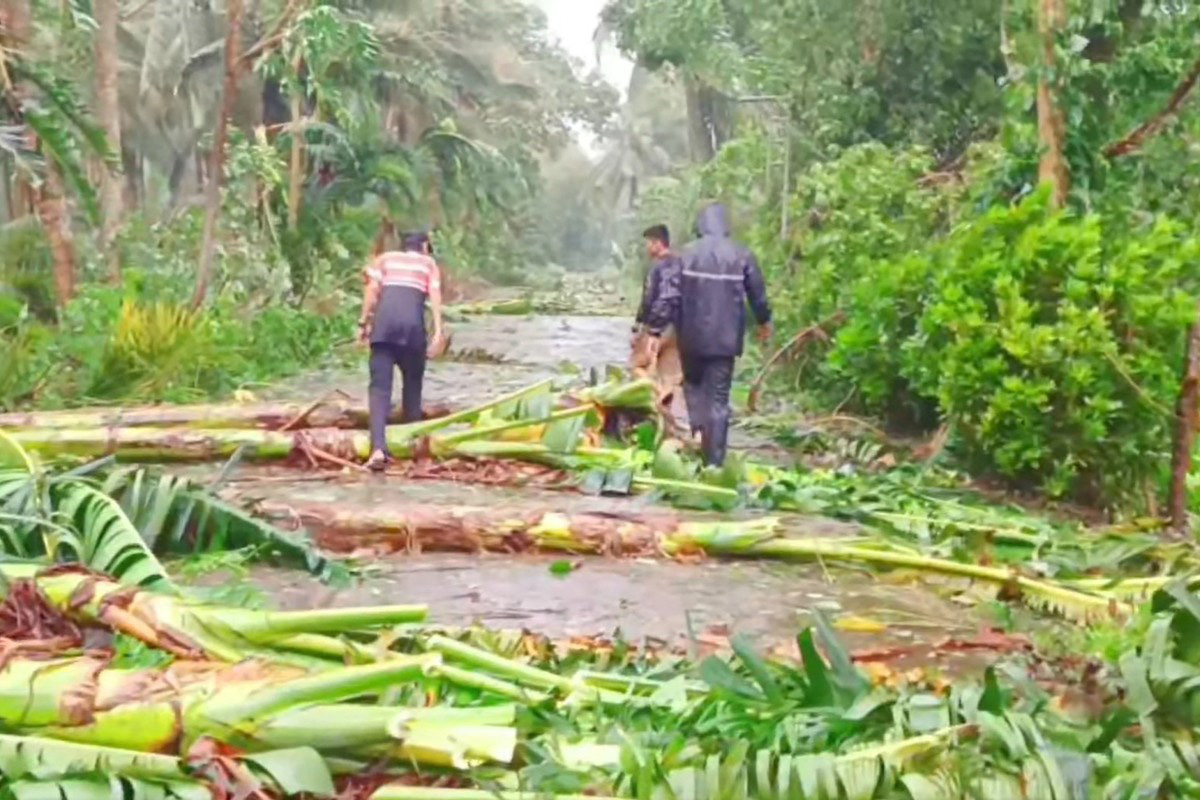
(1050, 343)
(431, 114)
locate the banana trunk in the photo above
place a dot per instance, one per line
(199, 631)
(179, 445)
(429, 528)
(165, 710)
(217, 416)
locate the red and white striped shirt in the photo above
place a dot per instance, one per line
(414, 270)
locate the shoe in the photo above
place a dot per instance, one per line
(378, 461)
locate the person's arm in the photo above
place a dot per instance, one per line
(371, 289)
(756, 293)
(664, 296)
(644, 304)
(435, 299)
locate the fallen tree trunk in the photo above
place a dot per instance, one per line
(421, 527)
(517, 306)
(520, 426)
(185, 629)
(255, 706)
(327, 412)
(262, 416)
(1187, 411)
(520, 440)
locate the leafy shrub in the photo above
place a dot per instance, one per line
(156, 351)
(1054, 343)
(276, 341)
(24, 365)
(868, 357)
(26, 267)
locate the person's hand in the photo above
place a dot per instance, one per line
(765, 332)
(364, 334)
(652, 345)
(436, 344)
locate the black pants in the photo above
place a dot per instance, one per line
(385, 358)
(707, 381)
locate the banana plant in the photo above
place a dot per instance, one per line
(119, 523)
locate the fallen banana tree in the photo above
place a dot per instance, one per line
(333, 412)
(526, 417)
(174, 445)
(330, 411)
(265, 727)
(170, 623)
(517, 306)
(420, 527)
(115, 541)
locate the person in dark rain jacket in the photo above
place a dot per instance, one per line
(717, 278)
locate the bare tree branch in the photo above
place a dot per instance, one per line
(272, 39)
(1138, 136)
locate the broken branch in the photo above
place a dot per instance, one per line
(818, 331)
(1139, 135)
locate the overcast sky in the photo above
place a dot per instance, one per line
(574, 23)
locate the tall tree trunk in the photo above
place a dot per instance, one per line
(6, 190)
(56, 220)
(700, 123)
(296, 172)
(1052, 16)
(216, 169)
(50, 205)
(1188, 419)
(108, 106)
(18, 20)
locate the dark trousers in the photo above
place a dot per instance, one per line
(707, 381)
(385, 358)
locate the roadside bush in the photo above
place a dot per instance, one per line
(1054, 345)
(24, 363)
(156, 351)
(26, 267)
(866, 366)
(867, 207)
(139, 343)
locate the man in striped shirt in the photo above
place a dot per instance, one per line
(398, 284)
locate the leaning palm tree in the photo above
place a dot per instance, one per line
(46, 134)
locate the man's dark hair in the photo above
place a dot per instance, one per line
(416, 242)
(658, 233)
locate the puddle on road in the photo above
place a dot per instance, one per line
(531, 348)
(639, 598)
(658, 599)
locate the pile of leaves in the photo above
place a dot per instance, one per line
(282, 704)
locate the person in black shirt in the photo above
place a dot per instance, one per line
(655, 345)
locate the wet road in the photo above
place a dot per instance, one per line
(638, 598)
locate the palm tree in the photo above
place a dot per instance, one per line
(644, 144)
(216, 166)
(108, 109)
(47, 130)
